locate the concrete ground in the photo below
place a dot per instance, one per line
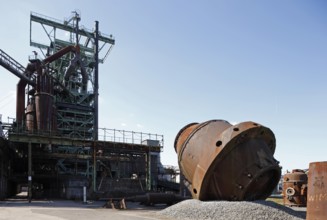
(20, 208)
(73, 210)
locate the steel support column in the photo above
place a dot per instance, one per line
(148, 169)
(94, 168)
(96, 98)
(29, 172)
(96, 80)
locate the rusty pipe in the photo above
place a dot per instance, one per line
(84, 77)
(77, 61)
(59, 54)
(221, 161)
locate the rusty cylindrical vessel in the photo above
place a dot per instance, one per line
(221, 161)
(30, 117)
(317, 191)
(295, 188)
(44, 108)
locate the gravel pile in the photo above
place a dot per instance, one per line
(195, 209)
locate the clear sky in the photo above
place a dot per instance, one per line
(181, 61)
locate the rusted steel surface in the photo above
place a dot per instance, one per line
(221, 161)
(30, 119)
(317, 191)
(44, 100)
(295, 188)
(60, 53)
(20, 101)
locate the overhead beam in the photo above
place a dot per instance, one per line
(70, 28)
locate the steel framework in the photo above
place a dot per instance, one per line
(74, 70)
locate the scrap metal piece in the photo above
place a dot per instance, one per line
(295, 188)
(221, 161)
(317, 191)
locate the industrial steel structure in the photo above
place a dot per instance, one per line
(54, 147)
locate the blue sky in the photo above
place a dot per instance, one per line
(177, 62)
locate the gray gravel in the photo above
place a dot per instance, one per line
(224, 210)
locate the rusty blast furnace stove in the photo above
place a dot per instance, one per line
(221, 161)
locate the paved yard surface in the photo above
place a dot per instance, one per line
(18, 209)
(71, 210)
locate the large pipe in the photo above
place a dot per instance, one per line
(71, 68)
(77, 61)
(73, 63)
(59, 54)
(221, 161)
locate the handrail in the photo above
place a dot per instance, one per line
(105, 134)
(123, 136)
